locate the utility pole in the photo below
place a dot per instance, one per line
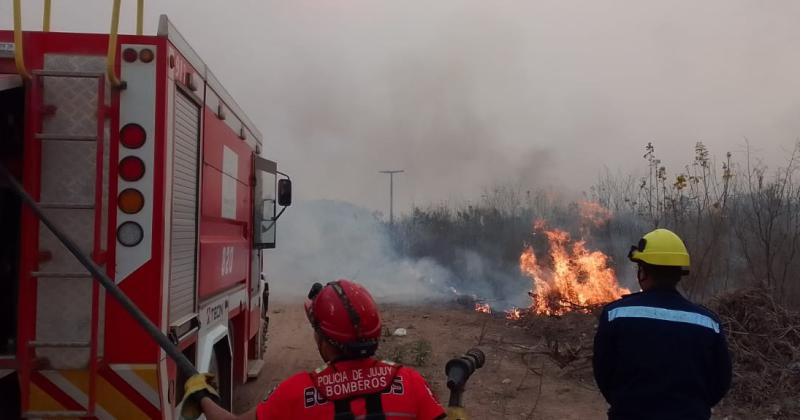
(391, 192)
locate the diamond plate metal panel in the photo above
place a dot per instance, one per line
(75, 100)
(68, 172)
(73, 223)
(64, 314)
(64, 305)
(75, 63)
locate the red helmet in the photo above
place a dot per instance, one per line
(346, 315)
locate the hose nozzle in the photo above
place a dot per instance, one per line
(458, 371)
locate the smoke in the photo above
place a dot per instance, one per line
(324, 240)
(466, 93)
(392, 88)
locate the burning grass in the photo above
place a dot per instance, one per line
(571, 277)
(764, 340)
(483, 307)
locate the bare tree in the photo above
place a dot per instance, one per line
(770, 230)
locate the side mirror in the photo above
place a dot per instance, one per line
(284, 192)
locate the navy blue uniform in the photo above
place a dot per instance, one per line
(659, 356)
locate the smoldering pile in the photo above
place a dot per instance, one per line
(764, 340)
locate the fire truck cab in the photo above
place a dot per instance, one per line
(131, 146)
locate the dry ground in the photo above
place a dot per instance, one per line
(521, 378)
(503, 389)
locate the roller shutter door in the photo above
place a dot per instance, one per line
(183, 255)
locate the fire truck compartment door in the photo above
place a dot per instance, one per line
(9, 81)
(183, 255)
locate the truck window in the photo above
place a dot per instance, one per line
(264, 196)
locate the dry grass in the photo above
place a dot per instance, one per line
(763, 337)
(764, 340)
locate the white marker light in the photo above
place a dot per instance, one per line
(129, 234)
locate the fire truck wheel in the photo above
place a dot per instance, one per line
(264, 336)
(264, 321)
(222, 370)
(265, 298)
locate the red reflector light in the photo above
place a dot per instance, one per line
(131, 168)
(129, 55)
(132, 136)
(146, 55)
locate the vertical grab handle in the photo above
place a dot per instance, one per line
(46, 16)
(19, 56)
(139, 17)
(111, 59)
(112, 40)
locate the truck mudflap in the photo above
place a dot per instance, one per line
(122, 391)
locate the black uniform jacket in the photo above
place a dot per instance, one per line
(659, 356)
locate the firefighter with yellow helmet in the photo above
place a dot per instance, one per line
(656, 354)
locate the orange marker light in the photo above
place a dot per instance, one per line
(130, 201)
(146, 55)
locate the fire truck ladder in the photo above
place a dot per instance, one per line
(28, 287)
(50, 144)
(39, 145)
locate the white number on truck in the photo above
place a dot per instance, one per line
(227, 260)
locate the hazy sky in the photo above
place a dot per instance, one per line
(465, 94)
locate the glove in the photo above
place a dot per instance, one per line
(456, 413)
(196, 388)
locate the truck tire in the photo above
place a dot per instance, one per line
(264, 321)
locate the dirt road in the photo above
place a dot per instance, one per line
(516, 383)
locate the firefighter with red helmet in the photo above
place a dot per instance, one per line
(352, 384)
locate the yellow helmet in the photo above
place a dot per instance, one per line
(660, 247)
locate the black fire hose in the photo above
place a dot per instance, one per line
(458, 371)
(182, 362)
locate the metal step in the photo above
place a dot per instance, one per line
(64, 137)
(59, 344)
(254, 368)
(59, 275)
(67, 206)
(40, 414)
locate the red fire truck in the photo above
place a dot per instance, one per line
(134, 149)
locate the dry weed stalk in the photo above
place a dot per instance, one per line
(764, 340)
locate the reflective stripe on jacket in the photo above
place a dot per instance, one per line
(659, 356)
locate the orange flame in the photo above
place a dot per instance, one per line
(483, 307)
(575, 277)
(593, 213)
(514, 314)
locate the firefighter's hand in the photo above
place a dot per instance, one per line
(195, 389)
(456, 413)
